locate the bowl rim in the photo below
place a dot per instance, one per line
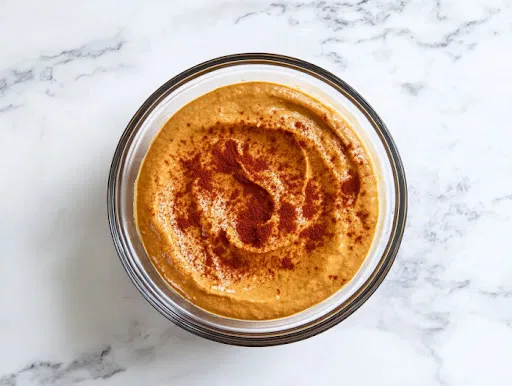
(350, 305)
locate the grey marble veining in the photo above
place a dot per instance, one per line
(95, 365)
(46, 70)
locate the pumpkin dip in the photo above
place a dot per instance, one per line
(256, 201)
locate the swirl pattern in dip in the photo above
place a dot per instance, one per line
(256, 201)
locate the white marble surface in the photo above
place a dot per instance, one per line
(73, 73)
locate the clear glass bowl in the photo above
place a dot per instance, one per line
(322, 85)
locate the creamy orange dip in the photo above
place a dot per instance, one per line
(256, 201)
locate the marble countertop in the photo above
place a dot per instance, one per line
(73, 73)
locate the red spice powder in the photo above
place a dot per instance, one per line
(363, 215)
(235, 262)
(310, 246)
(314, 234)
(259, 202)
(283, 166)
(234, 195)
(250, 224)
(352, 184)
(194, 170)
(225, 160)
(262, 234)
(255, 165)
(183, 223)
(294, 181)
(253, 233)
(287, 218)
(342, 147)
(222, 238)
(328, 201)
(309, 208)
(194, 217)
(209, 266)
(204, 179)
(219, 250)
(287, 263)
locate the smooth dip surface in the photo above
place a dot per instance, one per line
(256, 201)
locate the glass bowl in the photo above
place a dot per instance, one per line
(322, 85)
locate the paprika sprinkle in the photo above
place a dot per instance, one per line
(248, 201)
